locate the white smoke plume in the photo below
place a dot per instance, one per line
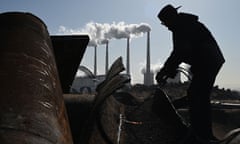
(155, 67)
(102, 33)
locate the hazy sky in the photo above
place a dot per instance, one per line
(220, 16)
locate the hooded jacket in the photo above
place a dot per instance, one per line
(193, 44)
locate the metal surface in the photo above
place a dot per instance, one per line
(69, 51)
(32, 109)
(102, 124)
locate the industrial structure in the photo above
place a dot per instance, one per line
(88, 82)
(148, 75)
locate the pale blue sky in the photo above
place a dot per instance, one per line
(221, 17)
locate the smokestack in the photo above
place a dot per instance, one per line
(148, 76)
(106, 62)
(128, 57)
(95, 60)
(148, 53)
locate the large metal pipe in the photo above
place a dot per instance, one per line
(31, 103)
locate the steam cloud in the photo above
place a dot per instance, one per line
(102, 33)
(154, 67)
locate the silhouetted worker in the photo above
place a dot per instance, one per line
(193, 44)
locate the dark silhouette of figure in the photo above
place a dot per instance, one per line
(193, 44)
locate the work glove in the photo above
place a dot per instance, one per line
(164, 74)
(161, 77)
(172, 73)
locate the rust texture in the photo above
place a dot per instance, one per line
(32, 108)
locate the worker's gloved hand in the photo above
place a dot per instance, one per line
(164, 74)
(161, 77)
(172, 73)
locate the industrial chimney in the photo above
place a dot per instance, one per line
(148, 75)
(95, 60)
(128, 58)
(106, 62)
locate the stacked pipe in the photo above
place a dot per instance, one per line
(31, 103)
